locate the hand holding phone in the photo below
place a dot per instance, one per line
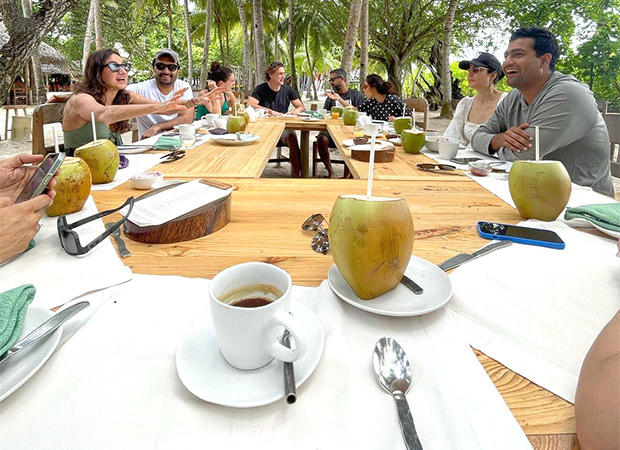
(41, 177)
(521, 235)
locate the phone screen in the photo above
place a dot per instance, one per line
(41, 177)
(520, 232)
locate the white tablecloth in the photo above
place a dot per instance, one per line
(137, 164)
(114, 384)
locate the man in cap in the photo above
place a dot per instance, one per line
(161, 88)
(571, 129)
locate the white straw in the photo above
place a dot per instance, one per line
(413, 118)
(92, 121)
(56, 148)
(537, 146)
(404, 106)
(371, 164)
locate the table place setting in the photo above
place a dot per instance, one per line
(137, 165)
(131, 376)
(523, 314)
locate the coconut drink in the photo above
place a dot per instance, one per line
(235, 124)
(349, 117)
(412, 140)
(72, 187)
(403, 123)
(371, 240)
(540, 189)
(102, 158)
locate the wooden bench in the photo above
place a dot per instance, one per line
(15, 109)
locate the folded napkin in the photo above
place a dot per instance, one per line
(13, 307)
(604, 215)
(167, 143)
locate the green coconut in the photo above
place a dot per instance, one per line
(243, 113)
(72, 187)
(235, 124)
(371, 240)
(339, 110)
(403, 123)
(539, 189)
(102, 158)
(350, 117)
(412, 141)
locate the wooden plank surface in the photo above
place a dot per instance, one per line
(212, 160)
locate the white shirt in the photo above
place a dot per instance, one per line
(460, 127)
(150, 90)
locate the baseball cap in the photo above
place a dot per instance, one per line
(484, 60)
(167, 52)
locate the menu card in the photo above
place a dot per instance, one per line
(174, 202)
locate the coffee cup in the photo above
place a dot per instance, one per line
(412, 140)
(221, 122)
(250, 306)
(210, 119)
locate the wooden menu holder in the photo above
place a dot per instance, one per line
(380, 155)
(195, 224)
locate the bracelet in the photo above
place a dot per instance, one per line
(192, 100)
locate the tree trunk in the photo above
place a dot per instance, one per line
(259, 36)
(364, 43)
(38, 93)
(394, 70)
(88, 36)
(446, 74)
(311, 65)
(169, 11)
(188, 37)
(348, 49)
(276, 53)
(98, 26)
(291, 44)
(25, 36)
(204, 70)
(247, 61)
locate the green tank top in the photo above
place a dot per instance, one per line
(201, 110)
(80, 136)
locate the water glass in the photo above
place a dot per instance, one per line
(188, 135)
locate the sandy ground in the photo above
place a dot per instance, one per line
(10, 148)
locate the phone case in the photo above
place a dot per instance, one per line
(520, 240)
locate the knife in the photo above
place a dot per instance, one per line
(462, 258)
(44, 329)
(122, 248)
(412, 285)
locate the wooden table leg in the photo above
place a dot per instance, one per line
(305, 153)
(6, 125)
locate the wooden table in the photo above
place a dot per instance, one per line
(265, 226)
(212, 159)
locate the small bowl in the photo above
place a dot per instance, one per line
(360, 140)
(448, 147)
(145, 180)
(161, 184)
(431, 143)
(479, 168)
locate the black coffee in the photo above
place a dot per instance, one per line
(254, 302)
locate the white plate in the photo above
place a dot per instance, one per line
(615, 234)
(400, 301)
(379, 145)
(236, 143)
(129, 150)
(395, 141)
(21, 367)
(206, 374)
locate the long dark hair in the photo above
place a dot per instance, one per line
(219, 73)
(382, 87)
(92, 84)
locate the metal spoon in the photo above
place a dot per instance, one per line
(393, 371)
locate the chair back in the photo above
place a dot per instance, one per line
(613, 128)
(601, 105)
(43, 115)
(420, 105)
(313, 106)
(240, 96)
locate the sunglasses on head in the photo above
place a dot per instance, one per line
(320, 241)
(476, 69)
(115, 67)
(429, 167)
(69, 239)
(162, 66)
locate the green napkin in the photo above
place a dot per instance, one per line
(168, 143)
(606, 215)
(13, 306)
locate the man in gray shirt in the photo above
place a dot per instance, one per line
(571, 129)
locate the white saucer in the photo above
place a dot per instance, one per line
(395, 141)
(310, 119)
(615, 234)
(400, 301)
(236, 142)
(379, 145)
(21, 367)
(131, 149)
(206, 374)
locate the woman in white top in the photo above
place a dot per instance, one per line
(483, 73)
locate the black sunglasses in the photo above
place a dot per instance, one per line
(115, 67)
(320, 241)
(436, 167)
(173, 156)
(70, 240)
(162, 66)
(331, 80)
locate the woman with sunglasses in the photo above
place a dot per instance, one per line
(381, 103)
(222, 80)
(483, 73)
(103, 93)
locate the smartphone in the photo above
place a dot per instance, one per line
(41, 177)
(464, 160)
(522, 235)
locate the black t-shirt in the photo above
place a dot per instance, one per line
(354, 96)
(391, 106)
(278, 101)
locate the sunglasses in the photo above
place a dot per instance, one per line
(115, 67)
(429, 167)
(173, 156)
(69, 239)
(320, 241)
(331, 80)
(476, 69)
(162, 66)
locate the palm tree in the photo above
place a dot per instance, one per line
(446, 75)
(188, 36)
(207, 42)
(157, 5)
(364, 42)
(98, 25)
(348, 48)
(247, 50)
(88, 36)
(259, 36)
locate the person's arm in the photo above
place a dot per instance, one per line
(186, 116)
(299, 106)
(337, 98)
(454, 129)
(496, 124)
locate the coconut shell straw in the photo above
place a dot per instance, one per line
(56, 148)
(537, 142)
(92, 122)
(372, 129)
(412, 118)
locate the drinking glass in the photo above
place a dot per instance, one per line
(188, 135)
